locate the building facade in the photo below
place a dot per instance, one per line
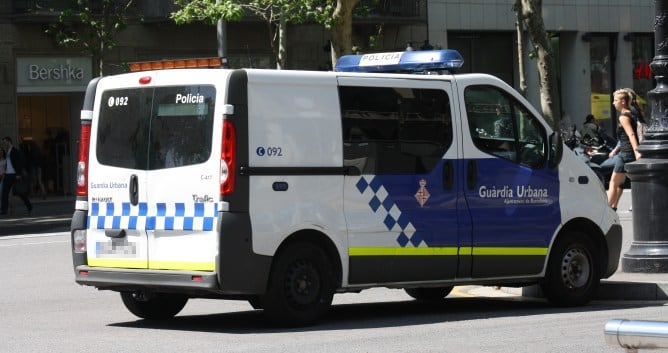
(599, 45)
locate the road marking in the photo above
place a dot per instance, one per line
(36, 235)
(460, 291)
(42, 243)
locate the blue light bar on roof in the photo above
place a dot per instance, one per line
(407, 61)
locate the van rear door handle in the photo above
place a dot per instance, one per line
(134, 190)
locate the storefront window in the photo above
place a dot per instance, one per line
(477, 48)
(601, 82)
(643, 53)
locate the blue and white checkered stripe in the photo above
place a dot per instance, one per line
(168, 216)
(382, 204)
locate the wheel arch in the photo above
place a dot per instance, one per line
(320, 240)
(593, 232)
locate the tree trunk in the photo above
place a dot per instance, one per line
(532, 13)
(282, 43)
(100, 57)
(342, 29)
(519, 34)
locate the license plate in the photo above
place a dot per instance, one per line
(116, 248)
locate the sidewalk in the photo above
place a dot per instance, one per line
(53, 214)
(621, 285)
(632, 286)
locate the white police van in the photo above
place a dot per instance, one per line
(285, 187)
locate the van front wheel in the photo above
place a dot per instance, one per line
(573, 271)
(301, 286)
(154, 306)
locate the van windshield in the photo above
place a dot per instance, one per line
(155, 128)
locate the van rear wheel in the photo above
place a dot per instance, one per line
(301, 286)
(153, 306)
(429, 294)
(573, 271)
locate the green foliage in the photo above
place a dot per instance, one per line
(207, 11)
(91, 25)
(211, 11)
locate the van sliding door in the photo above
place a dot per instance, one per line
(403, 211)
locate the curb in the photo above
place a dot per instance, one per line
(612, 290)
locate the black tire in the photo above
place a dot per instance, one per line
(429, 294)
(301, 286)
(155, 306)
(573, 271)
(255, 302)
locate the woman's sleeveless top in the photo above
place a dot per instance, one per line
(625, 142)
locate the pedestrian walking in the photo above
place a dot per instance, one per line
(14, 172)
(3, 167)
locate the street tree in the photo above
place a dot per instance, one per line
(92, 26)
(335, 15)
(529, 15)
(275, 13)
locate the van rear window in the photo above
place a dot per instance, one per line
(155, 128)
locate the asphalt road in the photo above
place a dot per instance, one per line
(42, 309)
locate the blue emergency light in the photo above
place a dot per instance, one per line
(407, 61)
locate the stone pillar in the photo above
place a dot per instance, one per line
(649, 175)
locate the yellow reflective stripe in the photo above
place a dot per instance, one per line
(116, 263)
(155, 265)
(508, 251)
(466, 250)
(182, 265)
(463, 251)
(372, 251)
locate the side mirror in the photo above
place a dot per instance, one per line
(556, 150)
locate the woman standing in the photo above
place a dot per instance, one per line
(628, 145)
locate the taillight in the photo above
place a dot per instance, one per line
(79, 240)
(82, 165)
(227, 158)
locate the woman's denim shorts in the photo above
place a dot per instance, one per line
(621, 159)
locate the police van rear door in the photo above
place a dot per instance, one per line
(183, 178)
(154, 181)
(118, 207)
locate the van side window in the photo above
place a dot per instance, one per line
(394, 130)
(501, 126)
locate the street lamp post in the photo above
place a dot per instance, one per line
(649, 175)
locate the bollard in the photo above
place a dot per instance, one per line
(634, 335)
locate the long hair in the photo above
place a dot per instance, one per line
(633, 104)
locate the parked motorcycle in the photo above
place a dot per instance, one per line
(599, 154)
(573, 140)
